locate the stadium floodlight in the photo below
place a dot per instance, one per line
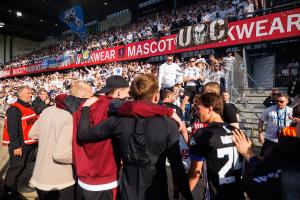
(2, 24)
(19, 14)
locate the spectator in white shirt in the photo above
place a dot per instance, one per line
(191, 78)
(277, 117)
(168, 73)
(249, 9)
(231, 11)
(206, 18)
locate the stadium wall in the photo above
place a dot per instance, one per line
(48, 42)
(5, 52)
(15, 46)
(22, 46)
(1, 49)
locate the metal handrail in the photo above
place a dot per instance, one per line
(253, 81)
(243, 99)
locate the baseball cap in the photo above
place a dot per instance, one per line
(114, 82)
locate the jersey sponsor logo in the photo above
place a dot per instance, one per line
(227, 139)
(272, 175)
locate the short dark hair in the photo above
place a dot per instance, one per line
(210, 99)
(296, 111)
(165, 93)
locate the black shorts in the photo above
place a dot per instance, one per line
(83, 194)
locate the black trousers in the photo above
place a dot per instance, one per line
(18, 164)
(267, 147)
(64, 194)
(83, 194)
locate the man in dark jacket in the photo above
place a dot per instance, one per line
(19, 120)
(144, 142)
(41, 102)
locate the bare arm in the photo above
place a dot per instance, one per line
(184, 133)
(260, 131)
(194, 173)
(160, 76)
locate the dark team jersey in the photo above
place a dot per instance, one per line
(213, 144)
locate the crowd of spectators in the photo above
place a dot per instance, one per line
(156, 25)
(211, 69)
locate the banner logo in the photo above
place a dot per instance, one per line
(86, 55)
(73, 17)
(202, 34)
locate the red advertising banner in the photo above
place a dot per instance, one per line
(269, 27)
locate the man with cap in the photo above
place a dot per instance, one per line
(95, 163)
(116, 87)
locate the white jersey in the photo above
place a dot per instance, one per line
(168, 75)
(276, 122)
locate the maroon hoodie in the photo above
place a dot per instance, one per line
(95, 163)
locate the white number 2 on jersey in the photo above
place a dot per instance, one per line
(232, 163)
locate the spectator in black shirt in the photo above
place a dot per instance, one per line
(168, 100)
(231, 112)
(144, 142)
(42, 101)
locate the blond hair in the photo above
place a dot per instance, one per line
(212, 87)
(144, 87)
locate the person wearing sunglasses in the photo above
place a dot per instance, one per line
(271, 100)
(191, 79)
(277, 117)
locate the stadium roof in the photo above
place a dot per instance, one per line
(39, 18)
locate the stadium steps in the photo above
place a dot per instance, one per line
(250, 106)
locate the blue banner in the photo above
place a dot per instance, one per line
(73, 17)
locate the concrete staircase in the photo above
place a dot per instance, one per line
(250, 105)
